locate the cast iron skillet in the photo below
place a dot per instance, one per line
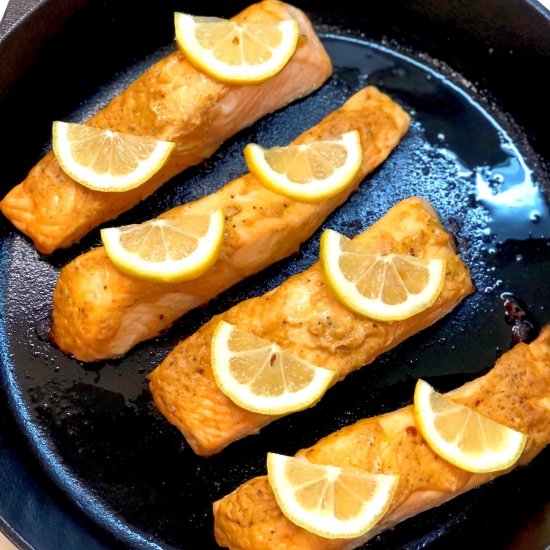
(469, 74)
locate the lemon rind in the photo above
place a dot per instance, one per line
(184, 26)
(348, 295)
(169, 271)
(106, 182)
(480, 463)
(325, 526)
(244, 398)
(313, 191)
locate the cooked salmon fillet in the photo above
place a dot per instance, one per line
(303, 317)
(171, 101)
(99, 312)
(516, 393)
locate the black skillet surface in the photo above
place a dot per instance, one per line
(94, 428)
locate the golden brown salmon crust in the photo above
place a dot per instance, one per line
(99, 312)
(171, 101)
(303, 317)
(516, 392)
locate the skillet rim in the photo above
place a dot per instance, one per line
(27, 19)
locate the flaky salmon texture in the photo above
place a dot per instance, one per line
(303, 317)
(171, 101)
(99, 312)
(516, 393)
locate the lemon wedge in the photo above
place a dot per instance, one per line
(167, 250)
(310, 172)
(103, 160)
(329, 501)
(261, 377)
(462, 436)
(389, 287)
(237, 53)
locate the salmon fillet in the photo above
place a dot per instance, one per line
(516, 392)
(171, 101)
(303, 317)
(99, 312)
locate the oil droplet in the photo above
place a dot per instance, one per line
(519, 257)
(534, 216)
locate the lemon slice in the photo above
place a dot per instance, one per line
(310, 172)
(168, 249)
(462, 436)
(387, 288)
(103, 160)
(261, 377)
(329, 501)
(238, 53)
